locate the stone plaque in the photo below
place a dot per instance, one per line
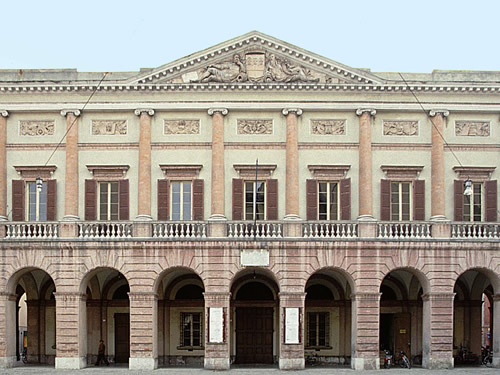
(407, 128)
(216, 325)
(472, 128)
(292, 325)
(109, 127)
(328, 127)
(254, 258)
(36, 128)
(255, 126)
(256, 65)
(181, 127)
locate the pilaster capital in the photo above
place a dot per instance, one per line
(366, 296)
(70, 296)
(142, 296)
(222, 111)
(496, 297)
(372, 112)
(8, 296)
(140, 111)
(75, 112)
(216, 297)
(442, 112)
(287, 111)
(438, 296)
(4, 113)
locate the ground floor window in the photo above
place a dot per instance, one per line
(318, 331)
(191, 330)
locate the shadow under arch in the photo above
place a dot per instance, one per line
(167, 276)
(421, 277)
(492, 276)
(89, 275)
(253, 273)
(14, 278)
(336, 270)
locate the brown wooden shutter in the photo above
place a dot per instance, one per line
(238, 199)
(490, 188)
(272, 199)
(311, 199)
(385, 200)
(123, 200)
(163, 200)
(198, 199)
(90, 200)
(419, 200)
(459, 200)
(51, 200)
(345, 199)
(18, 200)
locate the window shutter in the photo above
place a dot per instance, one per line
(459, 200)
(272, 199)
(51, 200)
(237, 199)
(385, 200)
(419, 200)
(163, 200)
(198, 199)
(18, 200)
(123, 200)
(490, 188)
(90, 200)
(345, 199)
(311, 199)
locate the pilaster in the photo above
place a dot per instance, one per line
(365, 163)
(292, 163)
(496, 330)
(71, 172)
(365, 331)
(3, 165)
(8, 332)
(438, 212)
(291, 350)
(217, 191)
(144, 170)
(217, 330)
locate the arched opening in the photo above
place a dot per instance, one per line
(31, 320)
(254, 318)
(108, 317)
(401, 316)
(472, 317)
(327, 319)
(181, 319)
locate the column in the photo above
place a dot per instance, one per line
(7, 330)
(495, 332)
(217, 191)
(437, 339)
(365, 331)
(144, 185)
(292, 163)
(143, 331)
(71, 172)
(291, 345)
(217, 330)
(71, 331)
(365, 164)
(3, 165)
(437, 165)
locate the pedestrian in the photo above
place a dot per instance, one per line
(100, 354)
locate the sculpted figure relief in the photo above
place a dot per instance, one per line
(234, 71)
(279, 70)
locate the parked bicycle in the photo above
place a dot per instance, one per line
(404, 362)
(486, 357)
(24, 355)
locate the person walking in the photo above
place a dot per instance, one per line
(100, 354)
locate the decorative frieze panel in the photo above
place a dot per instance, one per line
(405, 128)
(255, 126)
(109, 127)
(328, 127)
(181, 127)
(472, 128)
(36, 128)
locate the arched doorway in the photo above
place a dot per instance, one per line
(472, 316)
(327, 319)
(181, 319)
(401, 316)
(31, 321)
(254, 311)
(108, 315)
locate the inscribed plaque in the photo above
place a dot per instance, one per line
(292, 325)
(254, 258)
(216, 325)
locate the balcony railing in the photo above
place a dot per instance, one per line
(330, 230)
(249, 229)
(30, 230)
(403, 230)
(105, 230)
(180, 230)
(475, 230)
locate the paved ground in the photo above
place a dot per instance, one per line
(40, 370)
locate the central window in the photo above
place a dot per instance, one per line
(473, 204)
(328, 201)
(181, 200)
(401, 201)
(190, 330)
(318, 329)
(37, 202)
(108, 201)
(255, 205)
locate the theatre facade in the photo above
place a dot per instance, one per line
(250, 203)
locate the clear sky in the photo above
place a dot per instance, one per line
(384, 36)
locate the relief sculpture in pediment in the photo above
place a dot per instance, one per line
(256, 66)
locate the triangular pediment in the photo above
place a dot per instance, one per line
(255, 58)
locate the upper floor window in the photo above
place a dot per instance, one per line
(181, 200)
(108, 201)
(401, 201)
(36, 202)
(255, 200)
(328, 201)
(473, 204)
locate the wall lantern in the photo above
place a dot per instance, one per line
(468, 187)
(39, 184)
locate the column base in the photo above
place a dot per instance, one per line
(143, 218)
(217, 217)
(365, 363)
(7, 362)
(496, 362)
(292, 363)
(71, 363)
(366, 218)
(438, 363)
(70, 218)
(438, 218)
(292, 217)
(216, 363)
(142, 363)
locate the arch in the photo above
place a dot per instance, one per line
(397, 287)
(87, 277)
(253, 273)
(421, 277)
(340, 271)
(331, 283)
(492, 276)
(13, 280)
(179, 282)
(165, 278)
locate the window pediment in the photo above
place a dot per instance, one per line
(248, 171)
(329, 172)
(402, 172)
(30, 172)
(474, 173)
(181, 171)
(108, 172)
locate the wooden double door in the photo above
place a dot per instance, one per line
(254, 335)
(122, 337)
